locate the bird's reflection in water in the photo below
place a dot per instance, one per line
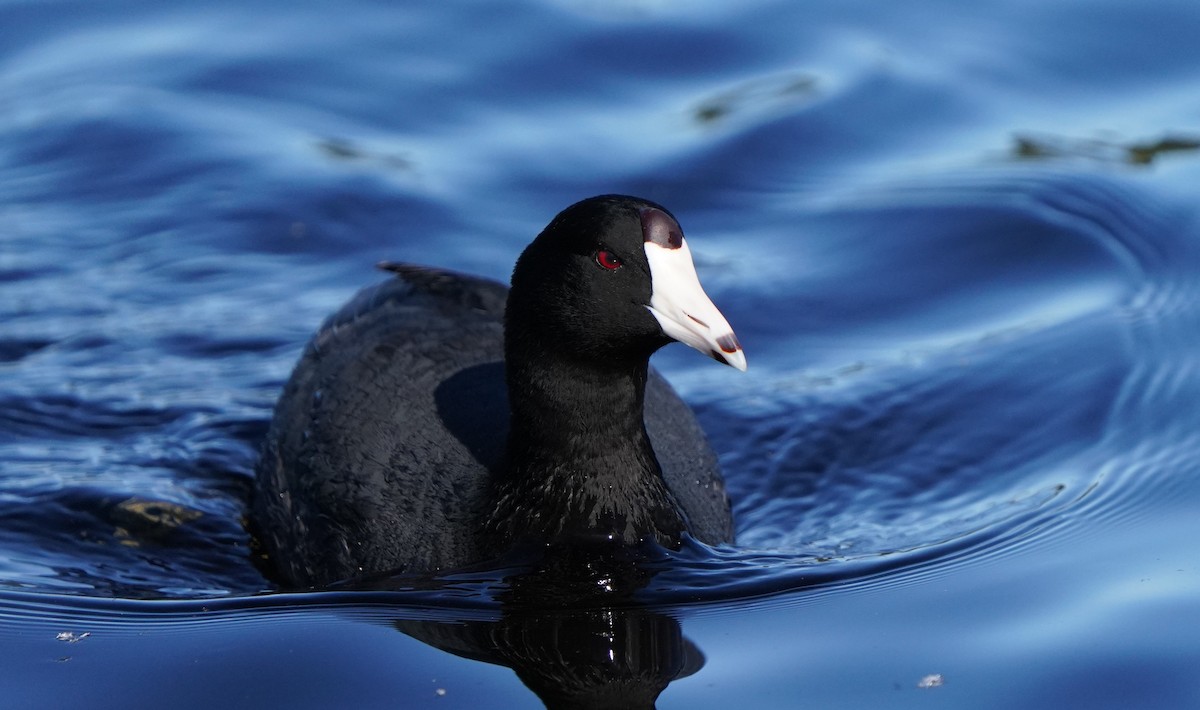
(572, 632)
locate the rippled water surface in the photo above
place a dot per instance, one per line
(961, 245)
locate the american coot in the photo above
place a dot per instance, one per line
(439, 419)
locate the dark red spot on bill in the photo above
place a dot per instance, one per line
(661, 228)
(729, 343)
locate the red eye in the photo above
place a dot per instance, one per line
(608, 260)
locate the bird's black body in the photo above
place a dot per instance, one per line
(393, 446)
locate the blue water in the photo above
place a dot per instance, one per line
(960, 243)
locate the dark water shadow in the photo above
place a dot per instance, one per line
(583, 659)
(571, 629)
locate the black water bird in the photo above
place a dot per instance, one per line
(439, 419)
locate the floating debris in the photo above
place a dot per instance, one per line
(1109, 151)
(440, 692)
(71, 636)
(137, 520)
(344, 150)
(756, 94)
(933, 680)
(156, 512)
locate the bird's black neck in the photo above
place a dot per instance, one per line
(579, 462)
